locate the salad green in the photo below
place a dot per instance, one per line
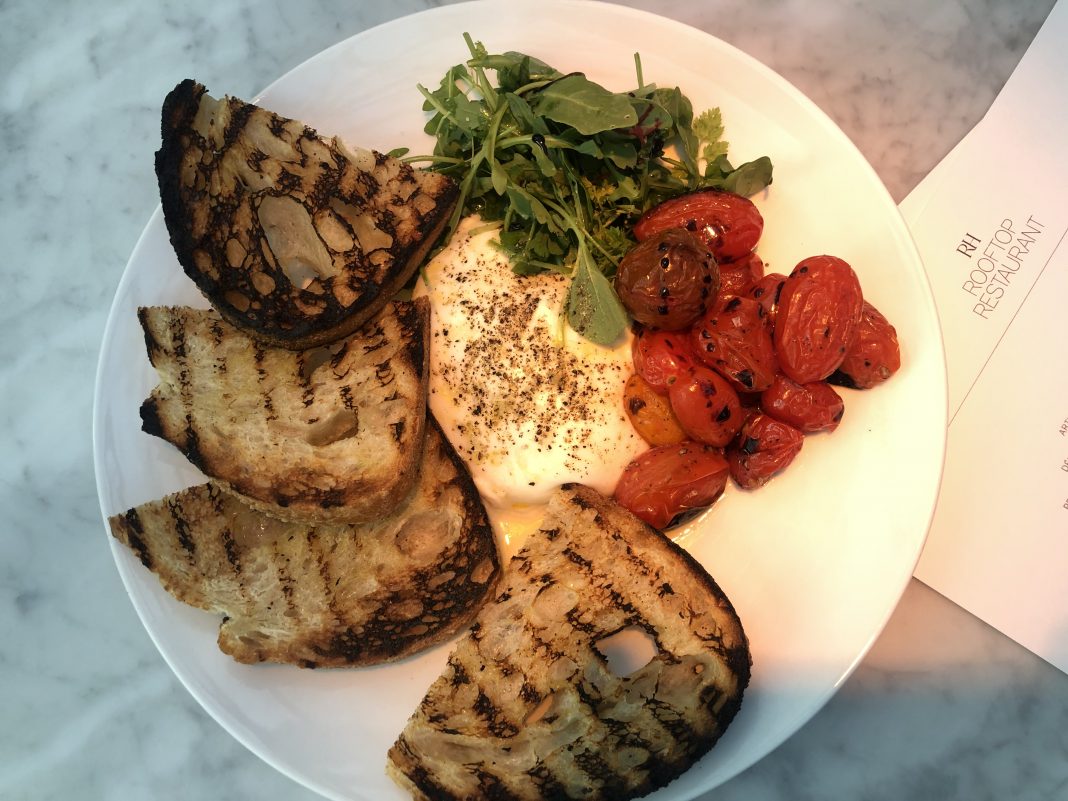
(565, 166)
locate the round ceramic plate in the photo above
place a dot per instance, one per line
(814, 562)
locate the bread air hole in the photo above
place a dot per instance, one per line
(628, 650)
(539, 712)
(312, 361)
(314, 358)
(342, 424)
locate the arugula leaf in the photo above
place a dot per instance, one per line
(587, 107)
(749, 178)
(617, 149)
(565, 167)
(516, 70)
(593, 308)
(527, 206)
(521, 113)
(679, 111)
(498, 177)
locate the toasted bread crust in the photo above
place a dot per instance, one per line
(528, 709)
(294, 238)
(329, 595)
(325, 435)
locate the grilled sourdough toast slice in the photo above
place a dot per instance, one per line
(331, 434)
(295, 238)
(527, 708)
(329, 595)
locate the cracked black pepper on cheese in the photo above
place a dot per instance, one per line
(527, 402)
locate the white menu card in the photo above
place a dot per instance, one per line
(990, 223)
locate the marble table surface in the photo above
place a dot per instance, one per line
(942, 707)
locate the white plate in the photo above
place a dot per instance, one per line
(815, 562)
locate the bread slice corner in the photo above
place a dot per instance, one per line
(325, 595)
(330, 434)
(529, 708)
(295, 238)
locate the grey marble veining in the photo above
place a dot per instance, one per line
(942, 707)
(904, 80)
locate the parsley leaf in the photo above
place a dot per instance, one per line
(709, 129)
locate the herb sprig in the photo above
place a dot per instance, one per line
(566, 166)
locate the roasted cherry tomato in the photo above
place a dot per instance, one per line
(728, 223)
(650, 413)
(706, 406)
(736, 277)
(807, 407)
(819, 310)
(766, 292)
(660, 356)
(764, 447)
(736, 342)
(874, 355)
(668, 280)
(666, 481)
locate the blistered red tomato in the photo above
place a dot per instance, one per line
(667, 481)
(819, 311)
(735, 341)
(706, 406)
(660, 356)
(766, 292)
(751, 376)
(728, 223)
(765, 446)
(736, 277)
(873, 356)
(808, 407)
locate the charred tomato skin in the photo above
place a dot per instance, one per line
(808, 407)
(706, 405)
(735, 341)
(819, 310)
(737, 277)
(729, 224)
(874, 355)
(661, 356)
(650, 413)
(765, 446)
(766, 292)
(668, 280)
(666, 481)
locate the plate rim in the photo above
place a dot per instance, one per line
(121, 555)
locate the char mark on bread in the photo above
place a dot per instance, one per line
(528, 708)
(333, 434)
(326, 595)
(296, 238)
